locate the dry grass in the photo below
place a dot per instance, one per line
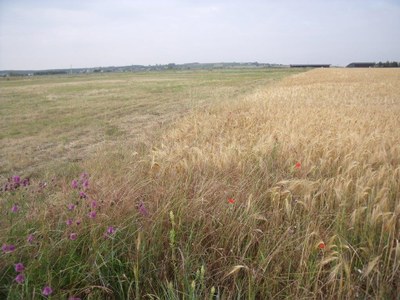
(343, 127)
(49, 121)
(328, 229)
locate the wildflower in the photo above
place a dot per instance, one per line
(82, 195)
(42, 185)
(298, 165)
(85, 184)
(20, 278)
(16, 179)
(15, 208)
(321, 245)
(92, 214)
(71, 207)
(26, 182)
(231, 200)
(19, 267)
(47, 291)
(84, 176)
(143, 210)
(73, 236)
(78, 222)
(110, 230)
(74, 184)
(7, 248)
(30, 238)
(93, 204)
(69, 222)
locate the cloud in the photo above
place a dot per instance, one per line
(51, 34)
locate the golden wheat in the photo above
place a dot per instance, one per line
(340, 127)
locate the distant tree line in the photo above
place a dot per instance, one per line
(51, 72)
(388, 64)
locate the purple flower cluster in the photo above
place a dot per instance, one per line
(19, 268)
(82, 182)
(83, 191)
(8, 248)
(14, 183)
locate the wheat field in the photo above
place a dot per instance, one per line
(292, 191)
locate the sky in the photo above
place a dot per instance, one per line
(47, 34)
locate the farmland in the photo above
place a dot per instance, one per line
(202, 185)
(57, 120)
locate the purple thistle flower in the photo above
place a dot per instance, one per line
(82, 195)
(84, 176)
(74, 184)
(30, 238)
(20, 278)
(26, 182)
(85, 184)
(71, 207)
(7, 248)
(92, 214)
(93, 204)
(73, 236)
(15, 208)
(69, 222)
(143, 210)
(19, 267)
(47, 291)
(111, 230)
(78, 222)
(16, 179)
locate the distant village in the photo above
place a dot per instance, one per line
(187, 66)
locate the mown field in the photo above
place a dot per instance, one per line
(61, 119)
(252, 186)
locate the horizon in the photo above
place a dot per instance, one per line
(44, 35)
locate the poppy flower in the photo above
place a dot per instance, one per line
(231, 200)
(298, 165)
(321, 245)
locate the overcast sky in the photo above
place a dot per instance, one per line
(39, 34)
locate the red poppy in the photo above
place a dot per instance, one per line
(231, 200)
(321, 245)
(298, 165)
